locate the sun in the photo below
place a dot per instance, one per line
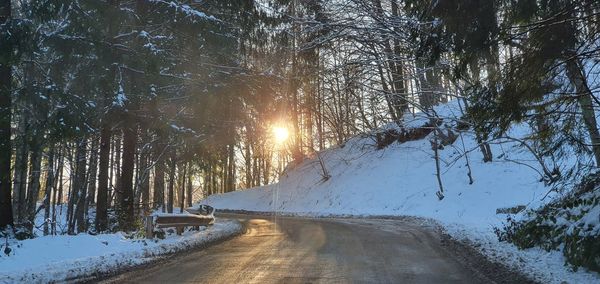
(281, 134)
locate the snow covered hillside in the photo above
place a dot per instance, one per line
(401, 180)
(398, 180)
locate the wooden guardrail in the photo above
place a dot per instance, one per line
(180, 221)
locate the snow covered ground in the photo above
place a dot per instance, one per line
(400, 180)
(63, 257)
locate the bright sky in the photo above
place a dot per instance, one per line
(281, 134)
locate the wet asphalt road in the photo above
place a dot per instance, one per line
(297, 250)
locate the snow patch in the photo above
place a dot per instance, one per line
(58, 258)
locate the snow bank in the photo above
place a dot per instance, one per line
(63, 257)
(544, 266)
(400, 180)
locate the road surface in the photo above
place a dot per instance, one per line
(298, 250)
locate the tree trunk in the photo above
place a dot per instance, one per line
(71, 176)
(171, 182)
(182, 190)
(248, 161)
(20, 181)
(57, 189)
(256, 172)
(48, 190)
(398, 72)
(145, 182)
(320, 120)
(59, 199)
(6, 214)
(102, 198)
(231, 168)
(33, 188)
(125, 210)
(137, 160)
(398, 95)
(93, 171)
(208, 180)
(189, 188)
(427, 97)
(387, 94)
(293, 91)
(484, 147)
(117, 170)
(78, 192)
(159, 179)
(438, 174)
(584, 97)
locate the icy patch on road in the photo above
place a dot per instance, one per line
(59, 258)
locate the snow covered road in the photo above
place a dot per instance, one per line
(301, 250)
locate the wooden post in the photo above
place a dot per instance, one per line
(179, 230)
(149, 227)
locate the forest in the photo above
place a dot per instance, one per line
(112, 109)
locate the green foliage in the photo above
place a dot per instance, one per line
(467, 28)
(138, 230)
(583, 251)
(563, 223)
(149, 59)
(535, 40)
(23, 232)
(524, 10)
(160, 234)
(15, 40)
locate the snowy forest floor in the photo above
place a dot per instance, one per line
(64, 257)
(400, 180)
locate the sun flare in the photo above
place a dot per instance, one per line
(281, 134)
